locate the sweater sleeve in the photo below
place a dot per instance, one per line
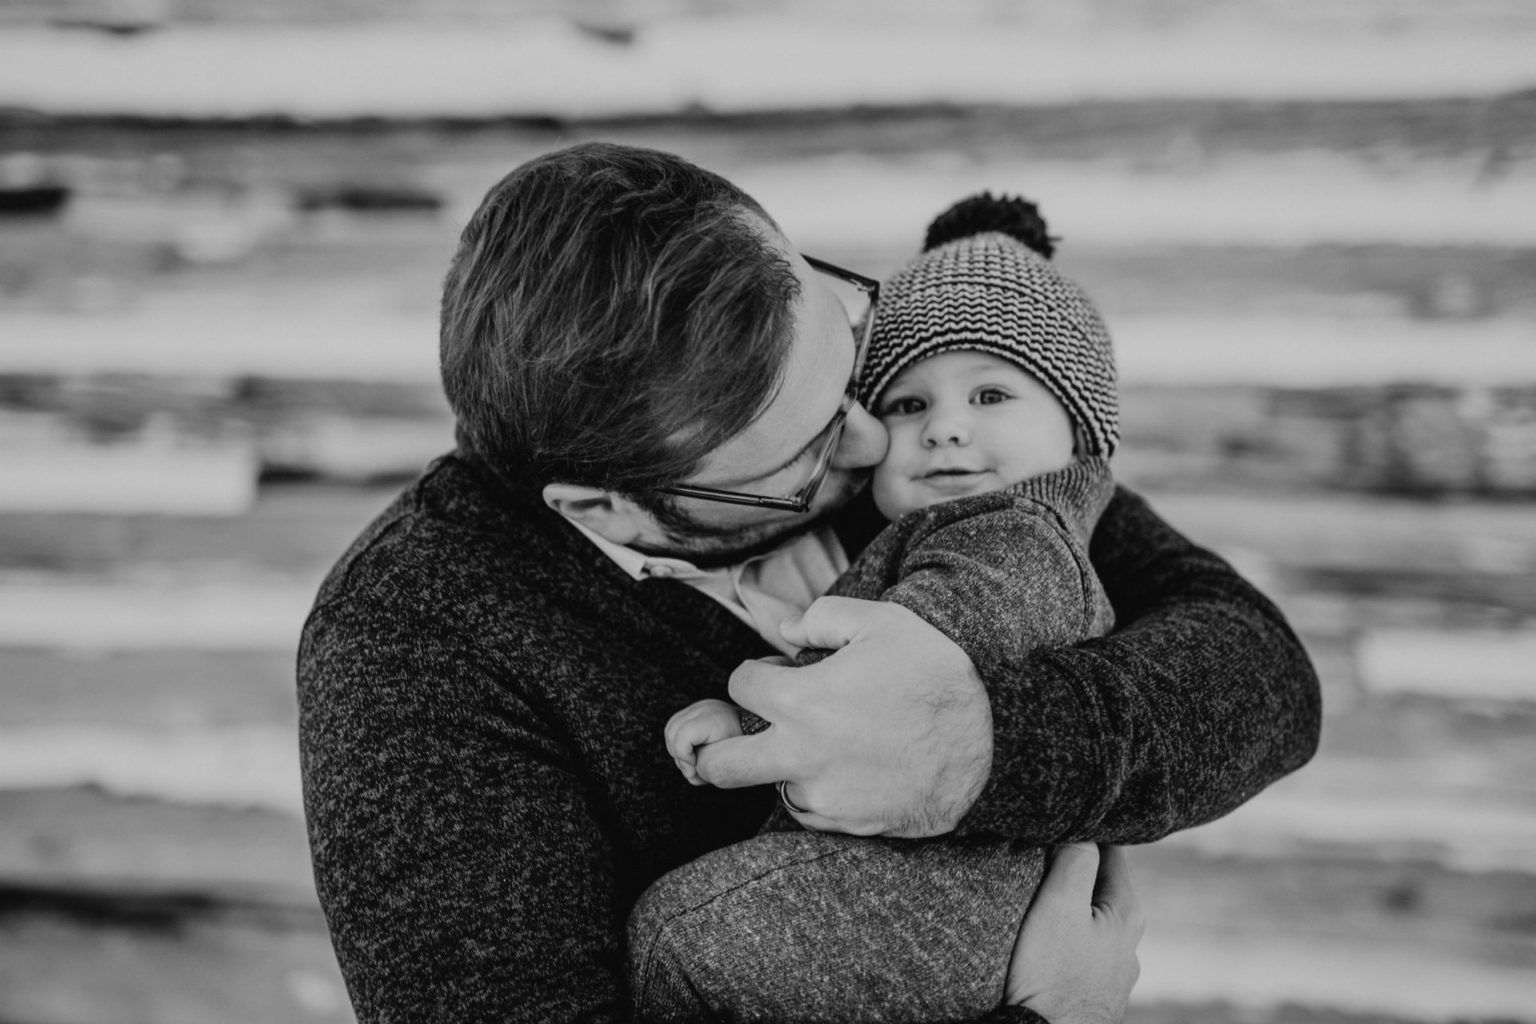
(1001, 584)
(1198, 701)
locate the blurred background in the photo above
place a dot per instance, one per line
(1311, 225)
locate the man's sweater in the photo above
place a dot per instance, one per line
(482, 695)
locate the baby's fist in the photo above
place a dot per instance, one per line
(696, 725)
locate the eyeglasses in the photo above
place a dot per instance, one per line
(868, 289)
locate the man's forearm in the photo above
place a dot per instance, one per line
(1203, 698)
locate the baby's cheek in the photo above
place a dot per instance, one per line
(887, 487)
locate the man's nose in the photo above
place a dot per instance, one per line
(863, 442)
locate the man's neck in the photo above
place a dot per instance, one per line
(732, 556)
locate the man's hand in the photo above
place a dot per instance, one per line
(697, 725)
(889, 735)
(1075, 958)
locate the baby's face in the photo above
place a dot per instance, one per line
(965, 423)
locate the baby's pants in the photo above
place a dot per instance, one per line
(807, 926)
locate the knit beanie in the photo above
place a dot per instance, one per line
(984, 282)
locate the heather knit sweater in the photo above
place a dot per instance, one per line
(999, 573)
(482, 695)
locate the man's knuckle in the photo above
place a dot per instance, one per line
(812, 764)
(791, 698)
(742, 686)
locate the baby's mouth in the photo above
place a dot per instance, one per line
(953, 480)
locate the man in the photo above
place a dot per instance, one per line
(659, 458)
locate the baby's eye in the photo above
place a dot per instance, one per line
(991, 396)
(903, 406)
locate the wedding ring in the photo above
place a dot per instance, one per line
(790, 805)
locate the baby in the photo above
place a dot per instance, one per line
(995, 379)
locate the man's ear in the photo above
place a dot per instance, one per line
(609, 515)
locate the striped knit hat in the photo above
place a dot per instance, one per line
(984, 282)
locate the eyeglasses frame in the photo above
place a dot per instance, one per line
(800, 501)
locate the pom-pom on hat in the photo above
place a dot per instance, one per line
(985, 282)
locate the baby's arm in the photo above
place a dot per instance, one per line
(999, 578)
(698, 724)
(1001, 573)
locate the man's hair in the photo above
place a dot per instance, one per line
(612, 316)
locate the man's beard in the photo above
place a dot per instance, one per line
(710, 546)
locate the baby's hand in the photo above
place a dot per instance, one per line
(697, 724)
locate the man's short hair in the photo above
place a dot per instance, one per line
(611, 316)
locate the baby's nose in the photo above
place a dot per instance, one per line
(946, 428)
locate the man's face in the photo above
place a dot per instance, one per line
(776, 452)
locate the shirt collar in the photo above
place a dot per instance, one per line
(638, 565)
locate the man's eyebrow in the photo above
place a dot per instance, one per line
(805, 449)
(796, 457)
